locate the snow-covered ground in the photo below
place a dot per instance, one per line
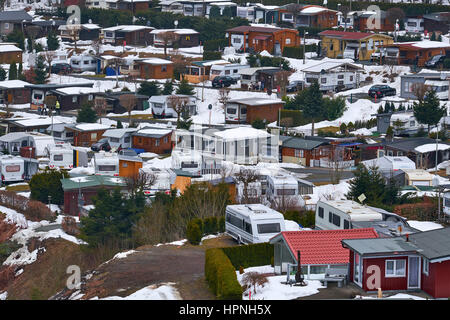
(399, 296)
(164, 291)
(424, 225)
(274, 289)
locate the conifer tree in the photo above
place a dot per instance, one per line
(40, 71)
(185, 88)
(12, 75)
(87, 114)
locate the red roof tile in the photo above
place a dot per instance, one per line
(346, 35)
(324, 246)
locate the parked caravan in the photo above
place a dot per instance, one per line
(339, 214)
(12, 169)
(253, 223)
(283, 187)
(83, 63)
(231, 70)
(189, 160)
(164, 178)
(60, 155)
(161, 109)
(106, 164)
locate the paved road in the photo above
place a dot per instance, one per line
(318, 175)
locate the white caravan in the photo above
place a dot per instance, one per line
(60, 155)
(83, 63)
(253, 223)
(12, 168)
(339, 214)
(189, 160)
(106, 164)
(164, 178)
(283, 187)
(231, 70)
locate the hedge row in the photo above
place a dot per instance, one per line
(32, 210)
(251, 255)
(295, 116)
(297, 52)
(221, 275)
(197, 228)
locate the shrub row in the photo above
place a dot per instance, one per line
(297, 52)
(425, 211)
(31, 209)
(251, 255)
(197, 228)
(221, 275)
(292, 118)
(215, 45)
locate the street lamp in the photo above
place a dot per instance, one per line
(210, 108)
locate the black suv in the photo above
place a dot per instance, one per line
(223, 81)
(63, 68)
(101, 144)
(436, 61)
(382, 90)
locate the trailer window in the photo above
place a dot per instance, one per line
(248, 227)
(336, 220)
(107, 168)
(235, 221)
(269, 228)
(58, 157)
(14, 168)
(285, 192)
(321, 212)
(189, 165)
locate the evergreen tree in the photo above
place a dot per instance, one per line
(12, 75)
(87, 114)
(433, 36)
(119, 124)
(52, 42)
(40, 71)
(185, 88)
(227, 12)
(17, 37)
(2, 74)
(20, 75)
(368, 182)
(214, 12)
(149, 88)
(48, 183)
(380, 110)
(429, 111)
(29, 45)
(185, 122)
(390, 133)
(168, 87)
(313, 105)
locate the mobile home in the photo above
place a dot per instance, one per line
(106, 164)
(189, 160)
(161, 108)
(253, 223)
(231, 70)
(164, 178)
(12, 169)
(283, 187)
(83, 63)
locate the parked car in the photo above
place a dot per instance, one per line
(63, 68)
(436, 61)
(381, 90)
(101, 144)
(294, 86)
(127, 152)
(223, 81)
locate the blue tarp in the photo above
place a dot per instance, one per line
(110, 71)
(138, 151)
(349, 144)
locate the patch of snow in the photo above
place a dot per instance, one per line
(165, 291)
(174, 243)
(424, 225)
(3, 295)
(291, 225)
(122, 255)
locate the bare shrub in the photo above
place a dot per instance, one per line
(254, 279)
(69, 225)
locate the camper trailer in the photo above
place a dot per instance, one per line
(106, 164)
(161, 108)
(252, 223)
(189, 160)
(339, 214)
(12, 169)
(231, 70)
(283, 187)
(164, 178)
(83, 63)
(60, 155)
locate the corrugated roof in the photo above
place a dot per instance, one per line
(18, 15)
(323, 246)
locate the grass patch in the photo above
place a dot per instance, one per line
(6, 248)
(18, 188)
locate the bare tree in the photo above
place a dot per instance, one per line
(33, 32)
(168, 38)
(295, 9)
(180, 63)
(282, 80)
(345, 11)
(140, 182)
(254, 279)
(246, 177)
(97, 47)
(224, 97)
(49, 56)
(178, 104)
(128, 101)
(7, 101)
(419, 90)
(100, 106)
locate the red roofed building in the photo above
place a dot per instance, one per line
(319, 249)
(415, 53)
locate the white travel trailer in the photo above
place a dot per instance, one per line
(253, 223)
(161, 108)
(60, 155)
(106, 164)
(388, 164)
(188, 160)
(254, 191)
(414, 25)
(440, 87)
(12, 169)
(339, 214)
(283, 187)
(405, 123)
(83, 63)
(164, 179)
(119, 138)
(231, 70)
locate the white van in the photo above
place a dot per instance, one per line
(60, 156)
(12, 168)
(106, 164)
(253, 223)
(231, 70)
(83, 63)
(189, 160)
(339, 214)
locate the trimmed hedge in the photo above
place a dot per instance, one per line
(251, 255)
(295, 115)
(297, 52)
(212, 55)
(221, 275)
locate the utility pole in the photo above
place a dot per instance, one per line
(304, 46)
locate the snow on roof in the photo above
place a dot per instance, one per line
(427, 44)
(241, 133)
(127, 28)
(256, 210)
(37, 122)
(417, 174)
(250, 71)
(355, 210)
(9, 48)
(156, 61)
(162, 132)
(436, 83)
(328, 66)
(430, 147)
(11, 84)
(177, 31)
(91, 126)
(256, 101)
(404, 116)
(118, 133)
(313, 10)
(76, 90)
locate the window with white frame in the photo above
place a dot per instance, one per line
(299, 153)
(426, 266)
(288, 41)
(395, 268)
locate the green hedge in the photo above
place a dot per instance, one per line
(215, 45)
(221, 275)
(297, 52)
(251, 255)
(212, 55)
(296, 116)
